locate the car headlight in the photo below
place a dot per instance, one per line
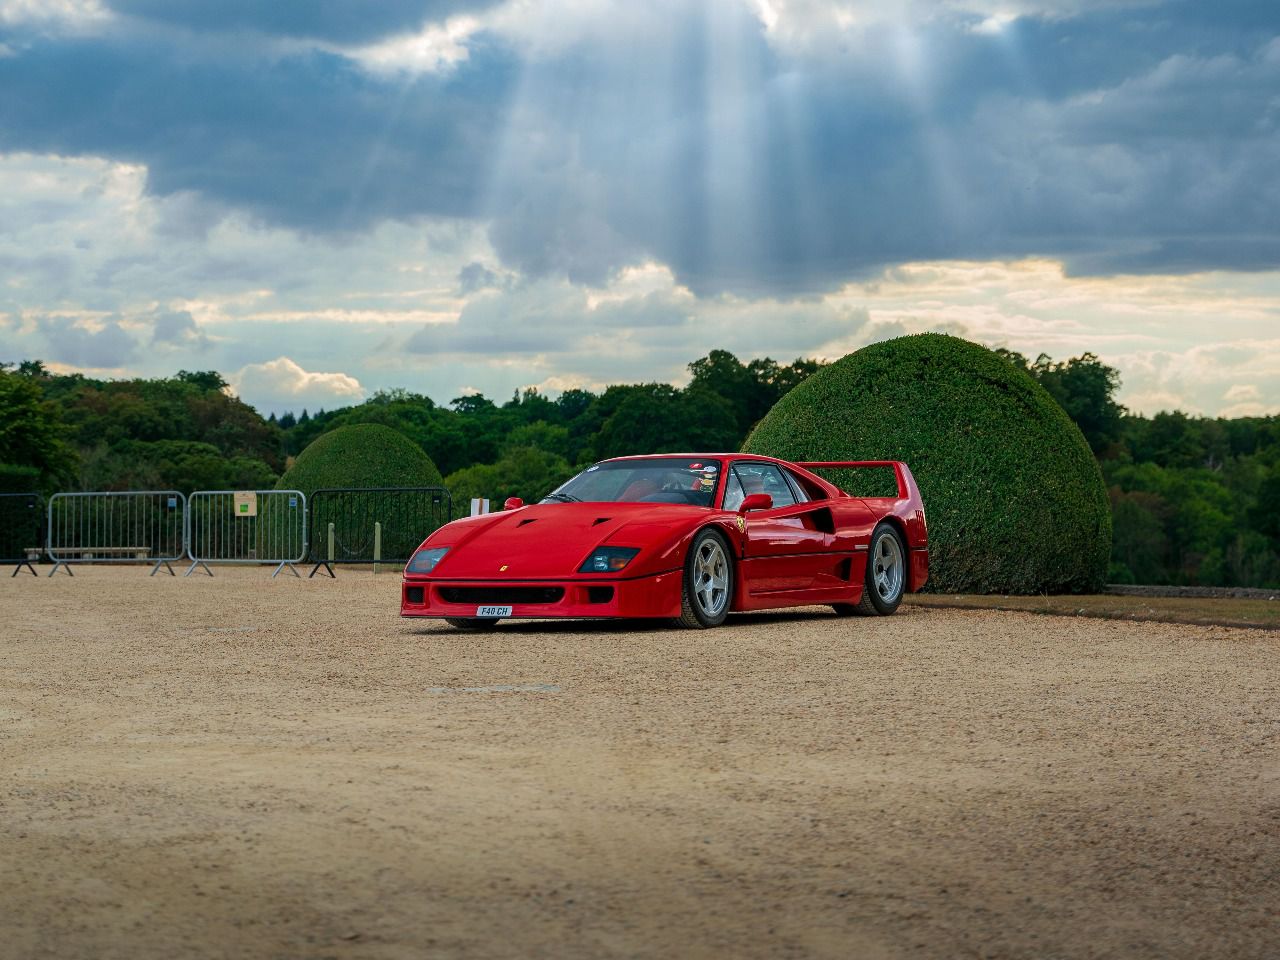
(608, 559)
(424, 561)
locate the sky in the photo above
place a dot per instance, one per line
(328, 198)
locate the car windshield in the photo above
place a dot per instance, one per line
(686, 480)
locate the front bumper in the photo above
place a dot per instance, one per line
(653, 596)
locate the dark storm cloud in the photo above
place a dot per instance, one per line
(309, 141)
(1112, 140)
(1120, 139)
(338, 21)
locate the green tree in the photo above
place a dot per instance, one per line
(1264, 514)
(658, 418)
(523, 472)
(32, 435)
(1085, 387)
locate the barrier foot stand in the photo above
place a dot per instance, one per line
(328, 569)
(162, 563)
(286, 563)
(19, 565)
(59, 563)
(198, 563)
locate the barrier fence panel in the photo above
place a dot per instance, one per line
(373, 524)
(137, 526)
(247, 527)
(21, 530)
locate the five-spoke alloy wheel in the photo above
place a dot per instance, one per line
(886, 577)
(708, 582)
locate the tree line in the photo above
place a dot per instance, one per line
(1194, 500)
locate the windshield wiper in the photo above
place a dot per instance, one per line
(562, 498)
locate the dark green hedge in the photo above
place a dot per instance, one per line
(1014, 498)
(361, 455)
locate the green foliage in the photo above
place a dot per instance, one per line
(1015, 500)
(171, 465)
(524, 472)
(15, 479)
(361, 455)
(750, 390)
(1195, 500)
(1194, 525)
(32, 435)
(1085, 388)
(658, 418)
(182, 433)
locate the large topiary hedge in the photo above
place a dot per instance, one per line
(1014, 498)
(361, 455)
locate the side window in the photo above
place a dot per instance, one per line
(733, 494)
(760, 478)
(803, 495)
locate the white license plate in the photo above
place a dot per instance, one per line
(493, 611)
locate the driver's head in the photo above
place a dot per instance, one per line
(752, 483)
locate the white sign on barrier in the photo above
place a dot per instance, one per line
(247, 503)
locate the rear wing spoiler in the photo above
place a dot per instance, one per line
(907, 489)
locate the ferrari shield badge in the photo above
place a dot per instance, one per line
(742, 525)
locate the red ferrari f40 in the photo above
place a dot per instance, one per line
(689, 537)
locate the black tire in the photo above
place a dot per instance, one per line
(886, 579)
(472, 623)
(707, 585)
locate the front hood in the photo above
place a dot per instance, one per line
(552, 539)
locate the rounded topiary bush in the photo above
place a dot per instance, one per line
(361, 455)
(1014, 498)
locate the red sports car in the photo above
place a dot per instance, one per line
(684, 536)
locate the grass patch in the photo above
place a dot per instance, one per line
(1205, 611)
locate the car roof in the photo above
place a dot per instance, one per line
(699, 456)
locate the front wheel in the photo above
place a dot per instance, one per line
(708, 582)
(886, 578)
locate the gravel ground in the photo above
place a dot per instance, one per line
(245, 767)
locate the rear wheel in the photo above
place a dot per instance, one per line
(708, 582)
(886, 578)
(471, 623)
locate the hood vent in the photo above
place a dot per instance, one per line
(526, 520)
(600, 520)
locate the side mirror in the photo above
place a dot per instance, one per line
(513, 503)
(756, 501)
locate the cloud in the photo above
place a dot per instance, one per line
(85, 343)
(476, 276)
(762, 161)
(339, 21)
(640, 325)
(1242, 392)
(177, 328)
(307, 140)
(44, 13)
(279, 385)
(448, 194)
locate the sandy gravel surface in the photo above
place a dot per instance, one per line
(242, 767)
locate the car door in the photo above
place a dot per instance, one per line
(784, 546)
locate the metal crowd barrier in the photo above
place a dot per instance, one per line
(21, 533)
(246, 527)
(373, 524)
(137, 526)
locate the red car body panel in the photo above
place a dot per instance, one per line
(813, 552)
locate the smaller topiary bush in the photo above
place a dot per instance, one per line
(1014, 498)
(361, 455)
